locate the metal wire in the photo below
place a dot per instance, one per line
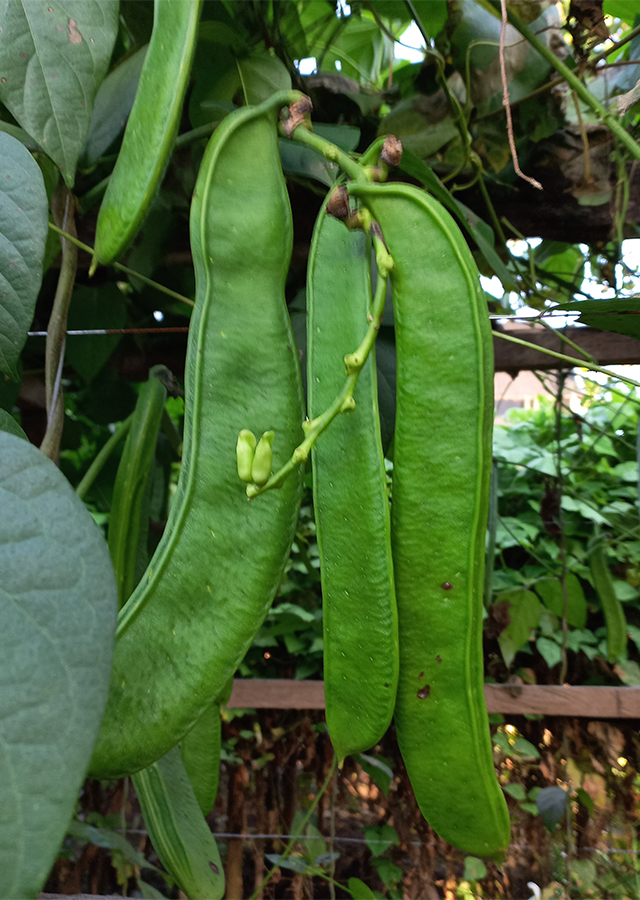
(224, 835)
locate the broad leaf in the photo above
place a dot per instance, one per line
(112, 107)
(53, 57)
(621, 315)
(551, 803)
(359, 890)
(23, 235)
(92, 308)
(474, 868)
(432, 15)
(57, 625)
(524, 612)
(552, 596)
(9, 424)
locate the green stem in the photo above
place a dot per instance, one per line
(62, 208)
(89, 200)
(568, 341)
(125, 269)
(189, 137)
(574, 82)
(289, 848)
(579, 363)
(104, 454)
(351, 168)
(344, 402)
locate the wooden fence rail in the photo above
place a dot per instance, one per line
(517, 699)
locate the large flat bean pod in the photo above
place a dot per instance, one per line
(188, 624)
(350, 498)
(151, 128)
(442, 460)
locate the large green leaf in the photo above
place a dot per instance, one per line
(553, 598)
(432, 15)
(92, 308)
(621, 315)
(53, 57)
(524, 612)
(626, 10)
(23, 234)
(112, 107)
(57, 625)
(8, 423)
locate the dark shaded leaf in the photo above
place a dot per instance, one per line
(551, 803)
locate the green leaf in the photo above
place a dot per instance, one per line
(432, 15)
(9, 424)
(621, 315)
(347, 137)
(586, 800)
(421, 133)
(626, 10)
(57, 625)
(628, 671)
(23, 235)
(515, 790)
(360, 47)
(549, 650)
(178, 830)
(297, 159)
(379, 772)
(92, 308)
(551, 803)
(109, 840)
(380, 837)
(472, 223)
(526, 748)
(53, 57)
(112, 107)
(359, 890)
(474, 869)
(389, 873)
(261, 75)
(524, 611)
(551, 594)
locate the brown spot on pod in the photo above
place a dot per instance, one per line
(446, 586)
(421, 675)
(424, 692)
(438, 658)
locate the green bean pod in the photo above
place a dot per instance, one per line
(151, 128)
(210, 583)
(442, 462)
(612, 608)
(125, 522)
(201, 749)
(350, 498)
(179, 834)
